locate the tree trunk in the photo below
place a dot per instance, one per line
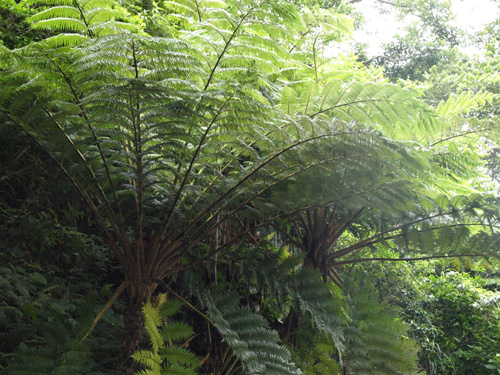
(133, 324)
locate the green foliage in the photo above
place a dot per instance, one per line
(408, 59)
(14, 29)
(372, 337)
(494, 363)
(57, 347)
(429, 40)
(187, 132)
(466, 318)
(247, 334)
(167, 355)
(453, 316)
(316, 355)
(289, 288)
(375, 338)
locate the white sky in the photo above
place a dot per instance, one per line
(380, 28)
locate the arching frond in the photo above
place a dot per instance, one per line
(462, 104)
(78, 20)
(375, 342)
(389, 108)
(247, 334)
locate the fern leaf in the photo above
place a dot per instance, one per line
(177, 332)
(175, 356)
(462, 104)
(249, 336)
(61, 23)
(64, 40)
(151, 360)
(152, 320)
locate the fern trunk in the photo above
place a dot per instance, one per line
(133, 325)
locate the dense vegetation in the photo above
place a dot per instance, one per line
(207, 187)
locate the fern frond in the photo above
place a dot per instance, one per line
(164, 356)
(63, 40)
(60, 350)
(61, 23)
(380, 106)
(463, 103)
(63, 11)
(315, 354)
(151, 360)
(315, 300)
(248, 335)
(373, 339)
(32, 361)
(177, 357)
(78, 20)
(176, 332)
(152, 320)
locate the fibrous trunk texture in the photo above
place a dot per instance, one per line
(133, 324)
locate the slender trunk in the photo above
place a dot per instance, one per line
(133, 324)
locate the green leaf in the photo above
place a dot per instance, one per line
(38, 278)
(29, 310)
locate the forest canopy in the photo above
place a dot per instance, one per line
(220, 187)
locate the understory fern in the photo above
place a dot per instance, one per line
(292, 287)
(316, 354)
(247, 334)
(374, 338)
(167, 354)
(58, 349)
(352, 334)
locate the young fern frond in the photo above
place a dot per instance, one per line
(165, 356)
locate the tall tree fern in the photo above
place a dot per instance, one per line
(170, 142)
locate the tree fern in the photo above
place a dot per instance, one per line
(169, 140)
